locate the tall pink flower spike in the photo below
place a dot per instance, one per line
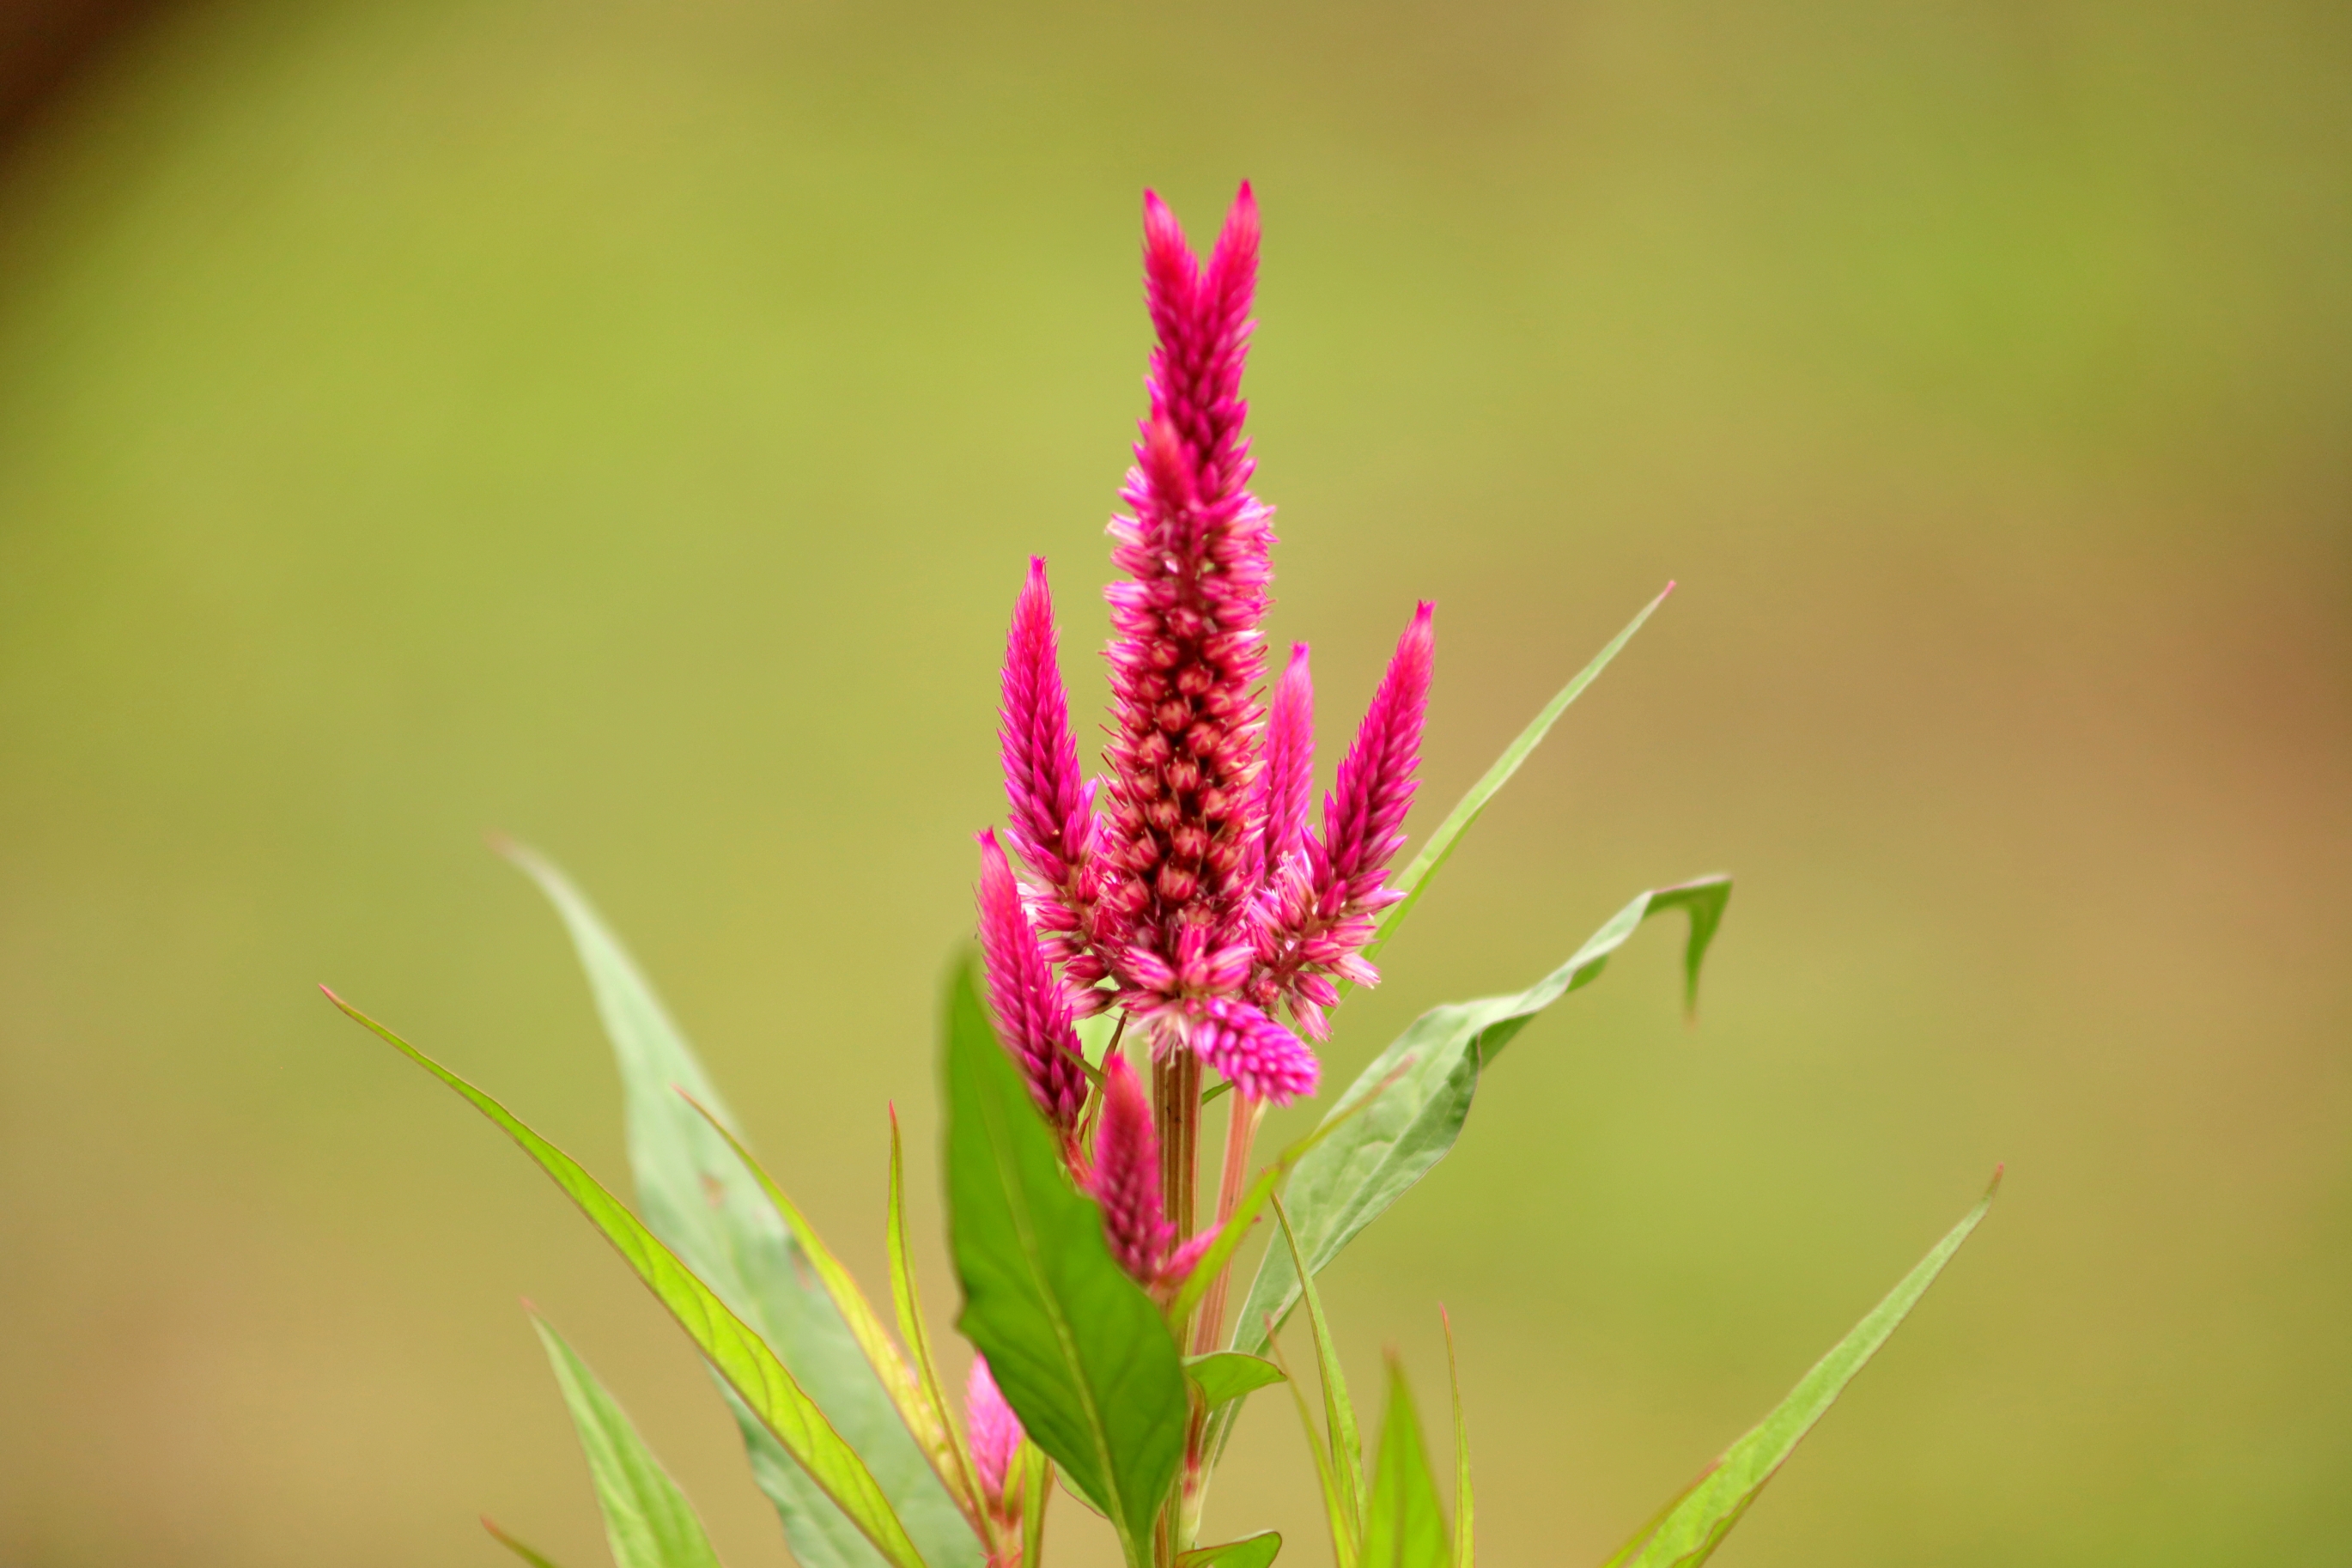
(1126, 1181)
(1033, 1014)
(1182, 867)
(1321, 920)
(1052, 825)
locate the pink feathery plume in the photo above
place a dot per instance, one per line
(1264, 1060)
(1033, 1014)
(995, 1431)
(1324, 920)
(1182, 846)
(1289, 768)
(1052, 826)
(1126, 1180)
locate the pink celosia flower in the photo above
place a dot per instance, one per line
(1181, 848)
(1321, 919)
(1033, 1014)
(1263, 1059)
(1052, 822)
(1125, 1179)
(995, 1431)
(1290, 771)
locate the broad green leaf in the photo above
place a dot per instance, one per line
(1081, 1351)
(1462, 1504)
(511, 1544)
(649, 1523)
(1335, 1507)
(1228, 1374)
(740, 1356)
(926, 1420)
(1350, 1179)
(1250, 1551)
(1693, 1528)
(1440, 845)
(1339, 1410)
(1404, 1524)
(698, 1198)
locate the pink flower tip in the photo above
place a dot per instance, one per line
(1264, 1060)
(995, 1431)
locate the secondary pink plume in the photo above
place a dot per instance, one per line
(1264, 1060)
(1033, 1016)
(1181, 849)
(1289, 770)
(995, 1431)
(1126, 1180)
(1052, 826)
(1321, 920)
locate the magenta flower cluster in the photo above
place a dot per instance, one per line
(1185, 890)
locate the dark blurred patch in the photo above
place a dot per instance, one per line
(46, 45)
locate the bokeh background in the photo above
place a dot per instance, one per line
(622, 425)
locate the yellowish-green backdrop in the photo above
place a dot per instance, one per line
(624, 424)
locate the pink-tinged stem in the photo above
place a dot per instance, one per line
(1241, 1131)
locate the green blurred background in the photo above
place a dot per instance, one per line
(624, 424)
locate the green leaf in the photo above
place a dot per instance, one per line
(649, 1523)
(1462, 1503)
(1693, 1528)
(701, 1201)
(1339, 1410)
(511, 1544)
(1404, 1526)
(1350, 1179)
(908, 1305)
(1081, 1351)
(1335, 1507)
(740, 1356)
(1250, 1551)
(1037, 1491)
(927, 1420)
(1228, 1374)
(1435, 853)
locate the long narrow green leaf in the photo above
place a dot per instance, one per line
(649, 1523)
(699, 1200)
(1352, 1177)
(1037, 1491)
(1404, 1524)
(740, 1356)
(1335, 1510)
(1081, 1351)
(922, 1418)
(907, 1302)
(511, 1544)
(1440, 845)
(1257, 1551)
(1461, 1502)
(1339, 1410)
(1694, 1527)
(1228, 1374)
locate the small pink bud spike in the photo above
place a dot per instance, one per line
(996, 1432)
(1126, 1180)
(1053, 820)
(1289, 770)
(1181, 846)
(1266, 1061)
(1032, 1017)
(1320, 929)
